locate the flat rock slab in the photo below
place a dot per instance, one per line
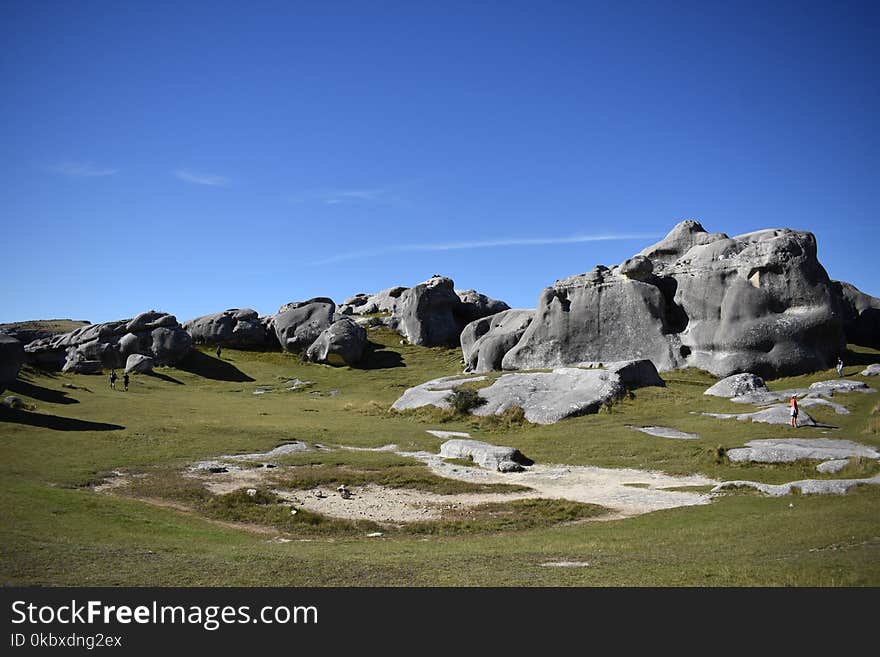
(840, 409)
(778, 414)
(491, 457)
(446, 435)
(788, 450)
(547, 397)
(828, 388)
(830, 467)
(737, 385)
(871, 370)
(432, 392)
(667, 432)
(805, 486)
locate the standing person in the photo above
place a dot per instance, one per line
(794, 410)
(839, 366)
(113, 378)
(125, 381)
(218, 351)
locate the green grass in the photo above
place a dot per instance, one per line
(57, 532)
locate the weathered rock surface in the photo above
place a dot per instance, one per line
(758, 302)
(829, 388)
(369, 304)
(432, 392)
(778, 414)
(426, 314)
(491, 457)
(297, 325)
(805, 486)
(833, 466)
(636, 373)
(11, 359)
(788, 450)
(108, 345)
(139, 364)
(342, 343)
(547, 397)
(475, 305)
(26, 332)
(485, 341)
(737, 385)
(667, 432)
(242, 328)
(871, 370)
(860, 313)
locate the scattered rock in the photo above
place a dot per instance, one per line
(788, 450)
(491, 457)
(138, 363)
(829, 388)
(432, 392)
(667, 432)
(636, 373)
(17, 403)
(871, 370)
(738, 385)
(830, 467)
(778, 414)
(565, 564)
(806, 486)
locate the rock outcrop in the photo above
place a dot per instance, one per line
(427, 314)
(297, 325)
(241, 328)
(871, 370)
(108, 345)
(491, 457)
(789, 450)
(860, 313)
(342, 343)
(475, 305)
(11, 360)
(485, 341)
(369, 304)
(737, 385)
(138, 363)
(758, 302)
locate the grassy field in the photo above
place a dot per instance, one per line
(57, 530)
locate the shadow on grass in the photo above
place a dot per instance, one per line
(859, 358)
(196, 362)
(39, 392)
(54, 422)
(164, 377)
(379, 358)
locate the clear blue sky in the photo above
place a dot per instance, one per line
(197, 156)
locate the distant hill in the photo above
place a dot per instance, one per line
(40, 328)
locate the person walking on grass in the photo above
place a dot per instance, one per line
(113, 378)
(839, 366)
(218, 351)
(125, 381)
(794, 410)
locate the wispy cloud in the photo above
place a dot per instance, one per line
(81, 170)
(200, 178)
(337, 196)
(484, 244)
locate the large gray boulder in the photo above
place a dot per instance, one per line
(434, 392)
(138, 363)
(11, 359)
(860, 313)
(342, 343)
(737, 385)
(242, 328)
(370, 304)
(547, 397)
(427, 314)
(475, 305)
(485, 341)
(297, 325)
(91, 348)
(636, 373)
(871, 370)
(758, 302)
(491, 457)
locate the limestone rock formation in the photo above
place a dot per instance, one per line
(369, 304)
(485, 341)
(789, 450)
(242, 328)
(636, 373)
(491, 457)
(138, 363)
(475, 305)
(11, 359)
(108, 345)
(737, 385)
(432, 392)
(758, 302)
(426, 314)
(297, 325)
(871, 370)
(860, 313)
(342, 343)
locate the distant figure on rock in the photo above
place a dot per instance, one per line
(125, 382)
(839, 366)
(794, 410)
(113, 378)
(218, 351)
